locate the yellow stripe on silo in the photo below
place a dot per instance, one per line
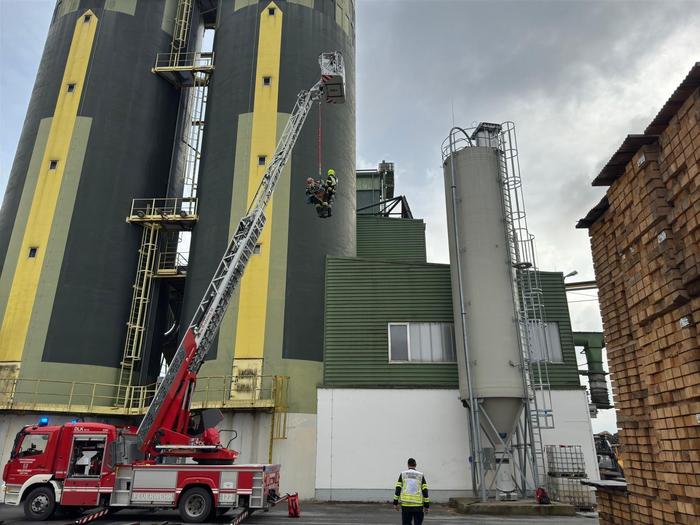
(252, 306)
(36, 235)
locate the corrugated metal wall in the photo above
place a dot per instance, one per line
(561, 375)
(386, 238)
(364, 295)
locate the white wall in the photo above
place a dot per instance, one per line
(365, 436)
(572, 426)
(296, 454)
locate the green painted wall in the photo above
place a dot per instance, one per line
(561, 375)
(363, 295)
(387, 238)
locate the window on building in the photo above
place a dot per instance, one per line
(32, 251)
(53, 164)
(87, 18)
(271, 11)
(545, 344)
(71, 88)
(261, 160)
(421, 342)
(267, 81)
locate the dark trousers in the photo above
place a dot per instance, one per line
(411, 515)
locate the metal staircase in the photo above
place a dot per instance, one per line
(531, 319)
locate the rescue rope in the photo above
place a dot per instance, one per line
(320, 142)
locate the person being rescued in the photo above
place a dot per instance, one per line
(322, 194)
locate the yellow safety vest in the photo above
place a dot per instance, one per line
(411, 488)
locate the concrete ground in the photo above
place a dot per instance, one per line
(317, 514)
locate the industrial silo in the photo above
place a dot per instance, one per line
(266, 52)
(489, 355)
(98, 133)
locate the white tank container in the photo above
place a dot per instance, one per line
(487, 284)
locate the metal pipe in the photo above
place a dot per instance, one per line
(475, 438)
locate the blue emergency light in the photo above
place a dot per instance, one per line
(43, 421)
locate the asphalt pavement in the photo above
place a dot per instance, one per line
(312, 513)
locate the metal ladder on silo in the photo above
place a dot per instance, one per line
(136, 325)
(538, 412)
(181, 30)
(192, 139)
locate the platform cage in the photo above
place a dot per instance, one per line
(566, 469)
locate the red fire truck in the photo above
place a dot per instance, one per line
(175, 458)
(75, 467)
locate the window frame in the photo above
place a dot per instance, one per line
(407, 324)
(546, 351)
(408, 342)
(73, 460)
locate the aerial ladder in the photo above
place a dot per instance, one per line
(165, 429)
(133, 468)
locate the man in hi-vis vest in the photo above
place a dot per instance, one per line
(412, 492)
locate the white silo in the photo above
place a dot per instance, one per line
(488, 329)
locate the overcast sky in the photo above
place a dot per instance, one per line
(574, 76)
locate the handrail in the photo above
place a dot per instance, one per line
(191, 60)
(184, 208)
(224, 391)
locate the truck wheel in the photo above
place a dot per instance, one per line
(40, 504)
(195, 505)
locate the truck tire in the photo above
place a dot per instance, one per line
(40, 504)
(195, 505)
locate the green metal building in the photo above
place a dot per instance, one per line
(391, 281)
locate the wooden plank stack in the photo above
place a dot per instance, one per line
(646, 253)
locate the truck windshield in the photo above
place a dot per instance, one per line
(33, 444)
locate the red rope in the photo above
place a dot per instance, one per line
(320, 157)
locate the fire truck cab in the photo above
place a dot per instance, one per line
(59, 465)
(78, 466)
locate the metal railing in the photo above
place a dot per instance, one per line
(192, 61)
(167, 208)
(83, 397)
(53, 395)
(172, 263)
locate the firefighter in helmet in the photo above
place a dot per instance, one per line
(329, 185)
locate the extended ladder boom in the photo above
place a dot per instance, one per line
(169, 411)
